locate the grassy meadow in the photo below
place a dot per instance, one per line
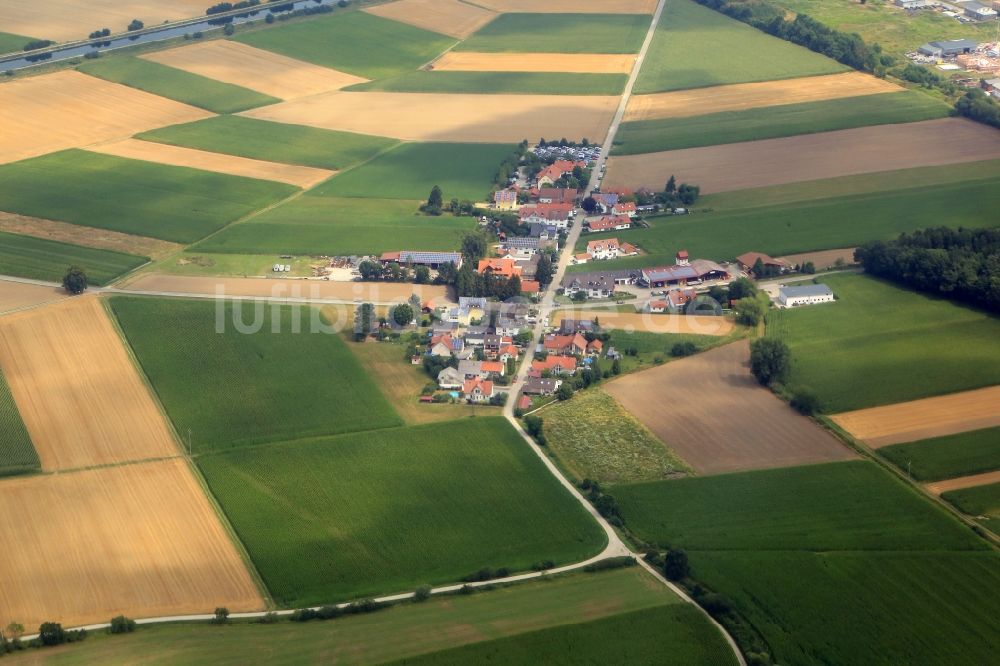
(528, 83)
(880, 344)
(274, 142)
(947, 457)
(654, 348)
(357, 43)
(132, 196)
(176, 84)
(387, 510)
(560, 33)
(650, 136)
(10, 43)
(332, 226)
(979, 501)
(695, 47)
(43, 259)
(410, 170)
(17, 454)
(236, 389)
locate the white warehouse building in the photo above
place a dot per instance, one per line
(811, 294)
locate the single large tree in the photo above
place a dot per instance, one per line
(544, 270)
(402, 314)
(675, 566)
(75, 280)
(770, 360)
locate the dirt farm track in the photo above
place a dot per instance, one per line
(738, 166)
(759, 431)
(139, 539)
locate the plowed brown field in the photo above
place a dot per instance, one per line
(650, 323)
(571, 6)
(257, 69)
(199, 159)
(448, 17)
(16, 295)
(972, 481)
(713, 414)
(87, 236)
(140, 539)
(823, 259)
(444, 117)
(752, 95)
(43, 114)
(598, 63)
(792, 159)
(925, 418)
(65, 20)
(77, 389)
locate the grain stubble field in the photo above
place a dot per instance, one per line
(449, 17)
(75, 234)
(16, 295)
(65, 20)
(651, 323)
(594, 63)
(758, 430)
(570, 6)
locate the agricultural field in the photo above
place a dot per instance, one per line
(241, 65)
(346, 42)
(176, 84)
(41, 259)
(648, 136)
(451, 17)
(880, 344)
(17, 455)
(277, 142)
(652, 349)
(69, 109)
(319, 525)
(438, 624)
(950, 456)
(696, 47)
(565, 63)
(982, 502)
(500, 83)
(141, 539)
(238, 388)
(748, 164)
(68, 20)
(660, 324)
(17, 295)
(560, 33)
(131, 196)
(572, 6)
(337, 227)
(594, 438)
(410, 170)
(51, 357)
(712, 397)
(13, 43)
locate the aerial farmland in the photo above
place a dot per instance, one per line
(499, 331)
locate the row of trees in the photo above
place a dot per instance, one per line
(672, 196)
(963, 264)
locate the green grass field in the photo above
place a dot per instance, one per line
(695, 47)
(235, 389)
(10, 43)
(409, 171)
(650, 136)
(979, 501)
(177, 84)
(595, 438)
(839, 221)
(560, 33)
(43, 259)
(528, 83)
(17, 454)
(881, 344)
(676, 634)
(331, 226)
(132, 196)
(947, 457)
(438, 624)
(654, 348)
(387, 510)
(275, 142)
(357, 43)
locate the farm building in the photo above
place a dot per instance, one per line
(432, 260)
(748, 260)
(811, 294)
(978, 12)
(685, 272)
(947, 49)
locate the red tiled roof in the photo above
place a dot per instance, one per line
(530, 286)
(503, 267)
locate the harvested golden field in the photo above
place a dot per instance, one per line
(304, 290)
(256, 69)
(445, 117)
(448, 17)
(17, 295)
(740, 96)
(650, 323)
(200, 159)
(715, 416)
(923, 419)
(76, 234)
(43, 114)
(571, 6)
(597, 63)
(139, 539)
(79, 393)
(987, 478)
(67, 20)
(793, 159)
(823, 259)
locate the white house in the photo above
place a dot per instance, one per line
(810, 294)
(450, 378)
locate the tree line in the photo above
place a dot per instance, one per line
(963, 264)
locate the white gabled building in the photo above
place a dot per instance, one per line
(810, 294)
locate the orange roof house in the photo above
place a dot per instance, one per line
(574, 344)
(556, 364)
(504, 267)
